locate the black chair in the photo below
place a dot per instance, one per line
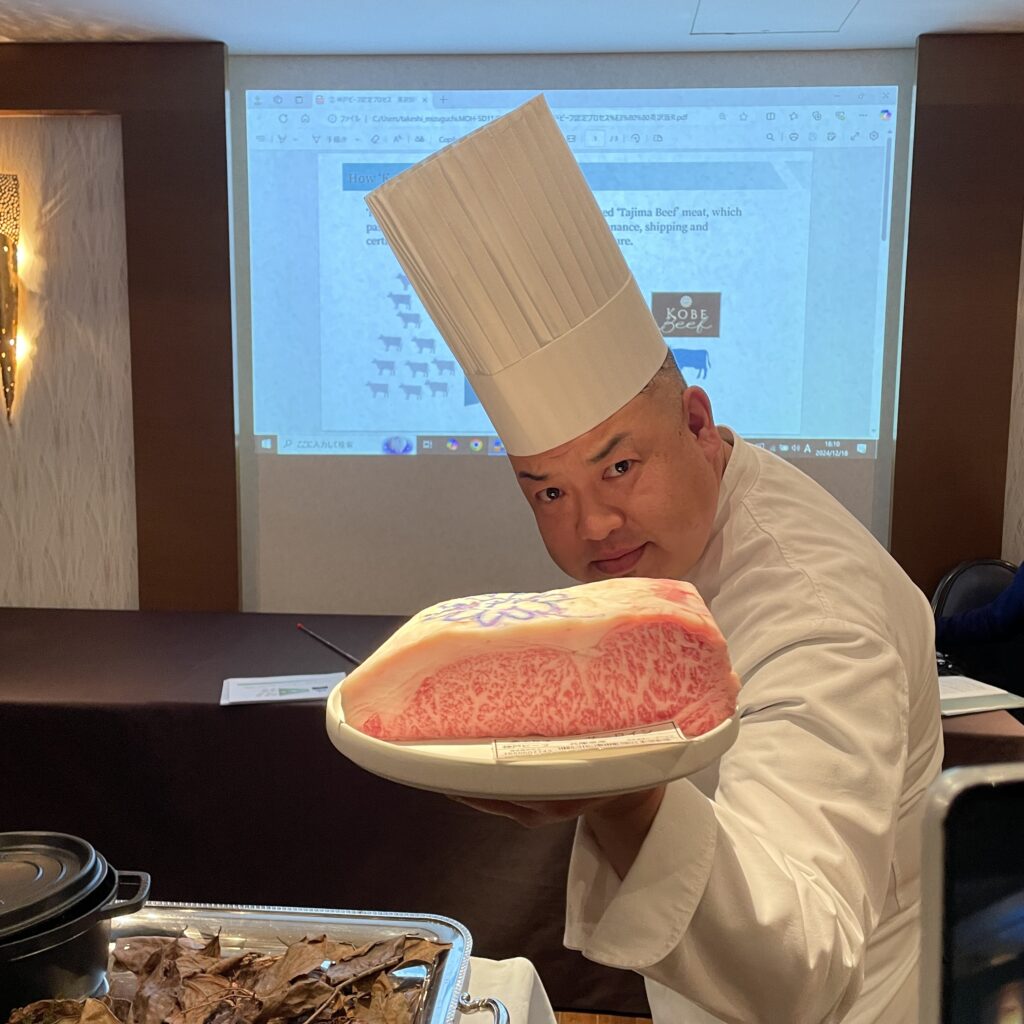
(971, 585)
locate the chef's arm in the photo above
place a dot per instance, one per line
(621, 826)
(758, 905)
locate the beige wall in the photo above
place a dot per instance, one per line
(67, 481)
(1013, 513)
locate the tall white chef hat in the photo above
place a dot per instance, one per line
(506, 247)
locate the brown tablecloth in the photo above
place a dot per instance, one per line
(111, 729)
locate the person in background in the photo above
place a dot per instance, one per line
(1000, 619)
(782, 883)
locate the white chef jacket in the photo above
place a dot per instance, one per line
(782, 885)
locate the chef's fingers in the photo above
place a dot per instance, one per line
(530, 815)
(502, 807)
(560, 810)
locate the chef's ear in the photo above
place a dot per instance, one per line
(699, 418)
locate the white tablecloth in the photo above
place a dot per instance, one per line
(516, 983)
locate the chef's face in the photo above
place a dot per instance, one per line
(635, 496)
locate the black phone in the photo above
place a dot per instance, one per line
(972, 927)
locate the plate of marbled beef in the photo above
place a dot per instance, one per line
(591, 690)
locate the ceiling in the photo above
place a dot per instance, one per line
(512, 26)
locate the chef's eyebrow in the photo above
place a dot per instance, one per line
(602, 454)
(608, 448)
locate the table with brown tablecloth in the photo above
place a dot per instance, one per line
(111, 729)
(993, 736)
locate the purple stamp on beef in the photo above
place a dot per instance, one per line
(490, 610)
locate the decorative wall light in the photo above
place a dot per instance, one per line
(10, 224)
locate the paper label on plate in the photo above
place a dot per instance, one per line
(650, 736)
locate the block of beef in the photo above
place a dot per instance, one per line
(615, 655)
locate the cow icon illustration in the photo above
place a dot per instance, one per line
(697, 359)
(410, 390)
(424, 345)
(384, 366)
(377, 389)
(390, 341)
(437, 388)
(400, 300)
(416, 368)
(411, 319)
(402, 280)
(444, 366)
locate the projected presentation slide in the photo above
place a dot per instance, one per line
(756, 221)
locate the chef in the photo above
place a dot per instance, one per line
(782, 884)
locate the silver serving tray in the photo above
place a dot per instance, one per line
(270, 929)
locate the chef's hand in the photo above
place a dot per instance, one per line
(619, 823)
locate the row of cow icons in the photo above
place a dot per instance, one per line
(444, 367)
(382, 389)
(394, 341)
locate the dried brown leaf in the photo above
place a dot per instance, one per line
(298, 960)
(202, 989)
(123, 986)
(377, 957)
(48, 1011)
(343, 1009)
(120, 1007)
(191, 963)
(391, 1006)
(346, 951)
(65, 1011)
(157, 996)
(300, 998)
(134, 951)
(95, 1011)
(207, 996)
(233, 966)
(417, 948)
(241, 1010)
(248, 972)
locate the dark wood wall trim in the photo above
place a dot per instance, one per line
(171, 100)
(960, 307)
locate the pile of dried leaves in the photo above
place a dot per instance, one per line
(315, 981)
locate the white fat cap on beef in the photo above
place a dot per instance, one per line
(506, 247)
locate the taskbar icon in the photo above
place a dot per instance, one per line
(458, 444)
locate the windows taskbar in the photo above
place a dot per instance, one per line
(384, 443)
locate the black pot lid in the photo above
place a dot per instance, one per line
(43, 875)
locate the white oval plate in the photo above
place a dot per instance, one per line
(471, 768)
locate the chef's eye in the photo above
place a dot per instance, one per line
(620, 468)
(548, 495)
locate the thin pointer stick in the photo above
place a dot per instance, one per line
(327, 643)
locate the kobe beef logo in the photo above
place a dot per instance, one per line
(681, 314)
(491, 609)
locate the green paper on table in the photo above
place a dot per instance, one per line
(961, 695)
(278, 689)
